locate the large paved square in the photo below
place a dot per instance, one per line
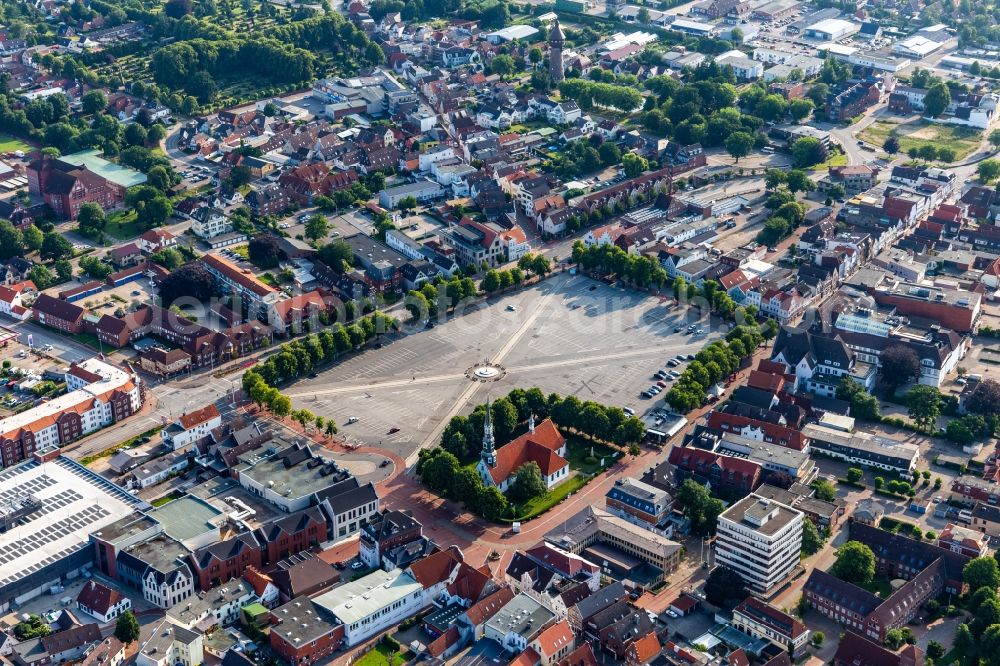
(570, 334)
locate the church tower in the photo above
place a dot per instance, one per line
(489, 453)
(556, 41)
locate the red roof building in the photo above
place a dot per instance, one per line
(543, 445)
(760, 431)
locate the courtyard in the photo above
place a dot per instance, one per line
(569, 334)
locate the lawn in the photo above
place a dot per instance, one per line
(543, 503)
(170, 497)
(9, 144)
(879, 586)
(380, 656)
(836, 158)
(123, 225)
(962, 140)
(578, 450)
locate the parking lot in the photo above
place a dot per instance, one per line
(564, 336)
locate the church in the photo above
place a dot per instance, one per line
(543, 445)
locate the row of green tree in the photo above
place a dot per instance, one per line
(299, 357)
(711, 365)
(442, 473)
(638, 270)
(265, 396)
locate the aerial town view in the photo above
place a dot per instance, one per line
(499, 332)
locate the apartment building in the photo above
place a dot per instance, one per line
(761, 540)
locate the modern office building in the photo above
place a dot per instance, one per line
(761, 540)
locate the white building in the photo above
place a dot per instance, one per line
(434, 155)
(191, 427)
(518, 623)
(98, 394)
(373, 603)
(171, 645)
(210, 222)
(761, 540)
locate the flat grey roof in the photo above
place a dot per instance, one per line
(186, 517)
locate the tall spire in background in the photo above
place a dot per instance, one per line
(489, 453)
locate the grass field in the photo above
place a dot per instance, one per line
(123, 225)
(543, 503)
(380, 656)
(9, 144)
(962, 140)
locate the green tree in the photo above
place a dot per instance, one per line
(855, 474)
(937, 99)
(811, 539)
(738, 144)
(33, 627)
(700, 508)
(800, 109)
(891, 144)
(924, 406)
(808, 151)
(817, 638)
(41, 276)
(316, 227)
(855, 563)
(981, 572)
(725, 587)
(527, 484)
(535, 55)
(824, 490)
(988, 170)
(32, 238)
(964, 644)
(64, 269)
(56, 246)
(91, 216)
(94, 102)
(127, 628)
(503, 66)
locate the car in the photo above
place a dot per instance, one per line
(680, 358)
(511, 308)
(592, 287)
(340, 565)
(646, 394)
(673, 363)
(429, 324)
(674, 374)
(393, 430)
(352, 419)
(700, 331)
(313, 375)
(961, 381)
(672, 613)
(660, 375)
(357, 565)
(655, 390)
(937, 499)
(385, 463)
(677, 329)
(661, 384)
(690, 357)
(629, 411)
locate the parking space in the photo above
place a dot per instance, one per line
(566, 335)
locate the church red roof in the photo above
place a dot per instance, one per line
(539, 446)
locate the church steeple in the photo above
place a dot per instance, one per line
(489, 453)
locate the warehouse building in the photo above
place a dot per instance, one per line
(832, 30)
